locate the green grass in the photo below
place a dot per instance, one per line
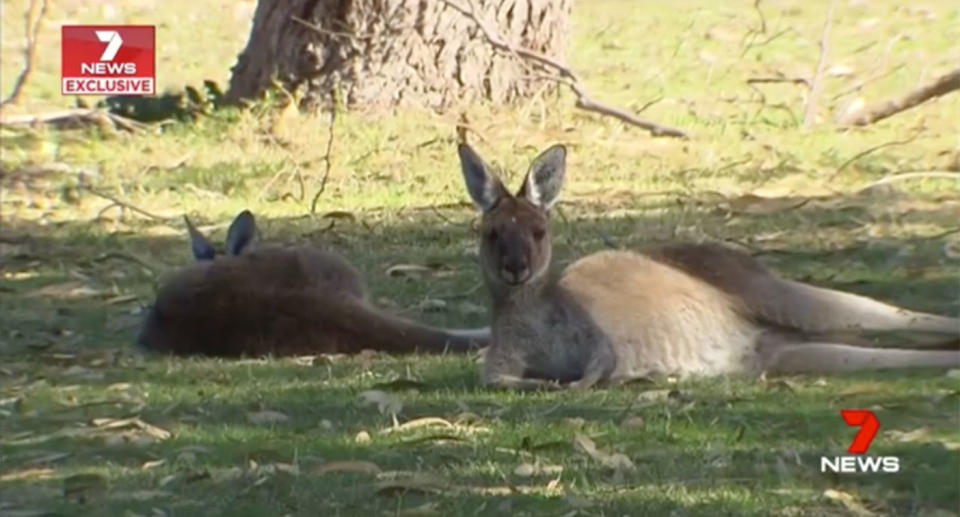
(75, 275)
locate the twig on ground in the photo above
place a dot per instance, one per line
(568, 77)
(811, 111)
(31, 31)
(123, 204)
(942, 86)
(326, 158)
(763, 19)
(75, 117)
(767, 41)
(891, 178)
(861, 154)
(768, 80)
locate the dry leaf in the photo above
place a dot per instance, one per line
(908, 436)
(634, 422)
(267, 417)
(407, 270)
(135, 422)
(362, 437)
(147, 465)
(616, 461)
(848, 501)
(361, 467)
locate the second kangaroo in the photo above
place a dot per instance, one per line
(685, 309)
(273, 300)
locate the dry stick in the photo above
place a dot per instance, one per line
(89, 116)
(326, 158)
(768, 80)
(124, 204)
(911, 175)
(861, 154)
(942, 86)
(30, 52)
(811, 110)
(568, 77)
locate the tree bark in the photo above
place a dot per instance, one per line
(379, 53)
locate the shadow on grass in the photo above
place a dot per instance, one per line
(71, 298)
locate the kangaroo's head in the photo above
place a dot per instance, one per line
(241, 234)
(515, 235)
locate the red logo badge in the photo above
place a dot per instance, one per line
(868, 423)
(108, 60)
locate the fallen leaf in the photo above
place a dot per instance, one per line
(848, 501)
(135, 422)
(908, 436)
(267, 417)
(533, 469)
(360, 467)
(427, 421)
(33, 474)
(616, 461)
(362, 437)
(407, 270)
(147, 465)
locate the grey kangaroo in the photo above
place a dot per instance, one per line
(684, 309)
(272, 300)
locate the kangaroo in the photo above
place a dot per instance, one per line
(272, 300)
(683, 309)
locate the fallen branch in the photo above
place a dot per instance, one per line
(942, 86)
(76, 117)
(31, 31)
(811, 110)
(568, 77)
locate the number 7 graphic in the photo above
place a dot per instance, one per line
(868, 423)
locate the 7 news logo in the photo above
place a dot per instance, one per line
(869, 425)
(108, 60)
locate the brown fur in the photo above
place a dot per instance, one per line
(281, 301)
(684, 309)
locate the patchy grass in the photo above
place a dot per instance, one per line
(77, 271)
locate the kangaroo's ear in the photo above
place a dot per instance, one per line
(242, 232)
(545, 177)
(201, 247)
(485, 188)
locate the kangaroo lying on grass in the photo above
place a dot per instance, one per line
(270, 300)
(685, 309)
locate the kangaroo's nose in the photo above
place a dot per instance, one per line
(515, 271)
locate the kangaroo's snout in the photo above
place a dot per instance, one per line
(515, 272)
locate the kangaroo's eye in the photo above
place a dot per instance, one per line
(539, 233)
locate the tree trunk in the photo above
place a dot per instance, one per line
(378, 53)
